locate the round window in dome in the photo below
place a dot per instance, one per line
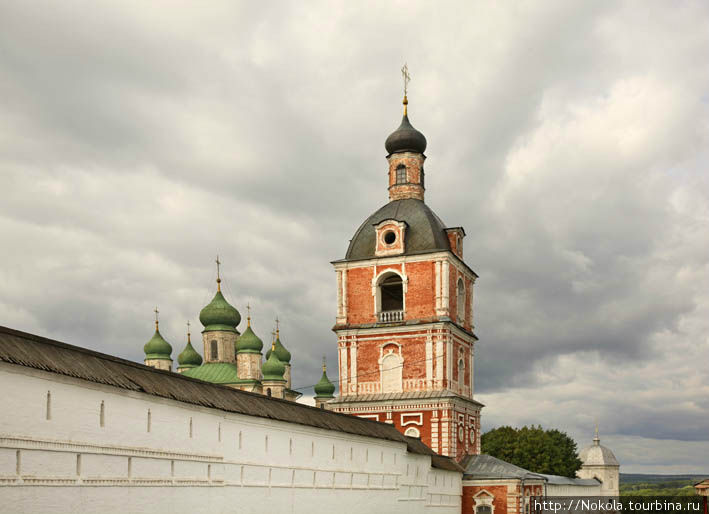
(389, 237)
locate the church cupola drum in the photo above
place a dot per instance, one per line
(405, 312)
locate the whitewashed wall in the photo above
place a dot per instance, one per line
(148, 454)
(573, 490)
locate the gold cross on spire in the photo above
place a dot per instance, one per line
(324, 363)
(156, 311)
(407, 79)
(273, 341)
(188, 331)
(219, 279)
(278, 330)
(248, 315)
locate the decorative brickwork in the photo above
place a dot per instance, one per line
(405, 324)
(411, 186)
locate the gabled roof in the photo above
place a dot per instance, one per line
(487, 466)
(44, 354)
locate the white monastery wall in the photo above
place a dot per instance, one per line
(140, 453)
(573, 490)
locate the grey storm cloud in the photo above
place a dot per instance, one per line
(569, 139)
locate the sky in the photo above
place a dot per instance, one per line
(568, 138)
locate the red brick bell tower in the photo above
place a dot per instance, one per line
(405, 314)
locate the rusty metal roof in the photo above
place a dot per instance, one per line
(45, 354)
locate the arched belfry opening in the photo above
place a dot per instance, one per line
(390, 293)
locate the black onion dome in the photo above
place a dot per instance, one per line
(425, 232)
(405, 139)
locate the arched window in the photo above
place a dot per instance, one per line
(392, 293)
(391, 373)
(401, 174)
(214, 350)
(413, 432)
(461, 373)
(483, 509)
(268, 392)
(461, 300)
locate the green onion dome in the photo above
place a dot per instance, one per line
(324, 388)
(189, 358)
(281, 352)
(219, 314)
(157, 347)
(249, 342)
(273, 369)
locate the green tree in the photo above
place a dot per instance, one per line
(551, 452)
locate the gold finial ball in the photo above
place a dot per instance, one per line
(406, 100)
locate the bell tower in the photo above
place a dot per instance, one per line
(405, 313)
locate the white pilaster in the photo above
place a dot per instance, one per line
(449, 360)
(445, 272)
(344, 384)
(353, 366)
(344, 294)
(472, 369)
(429, 360)
(439, 362)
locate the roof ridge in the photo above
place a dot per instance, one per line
(80, 349)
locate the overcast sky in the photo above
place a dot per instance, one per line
(568, 138)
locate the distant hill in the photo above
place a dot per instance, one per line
(638, 484)
(633, 478)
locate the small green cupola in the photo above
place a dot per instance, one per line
(219, 314)
(189, 358)
(283, 355)
(324, 389)
(273, 369)
(249, 342)
(157, 348)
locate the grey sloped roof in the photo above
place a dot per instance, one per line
(487, 466)
(38, 352)
(414, 445)
(425, 232)
(598, 455)
(559, 480)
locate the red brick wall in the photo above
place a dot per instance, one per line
(499, 493)
(421, 291)
(360, 302)
(413, 163)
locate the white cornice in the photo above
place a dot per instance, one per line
(423, 257)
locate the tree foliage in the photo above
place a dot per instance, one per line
(551, 452)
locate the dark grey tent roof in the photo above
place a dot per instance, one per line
(52, 356)
(425, 232)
